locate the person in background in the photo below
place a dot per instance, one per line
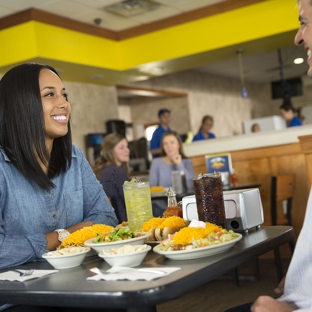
(255, 128)
(288, 112)
(163, 127)
(112, 170)
(48, 189)
(301, 117)
(172, 159)
(296, 288)
(204, 130)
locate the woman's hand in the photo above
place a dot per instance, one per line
(176, 159)
(280, 288)
(268, 304)
(53, 242)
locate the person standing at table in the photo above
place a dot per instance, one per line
(112, 170)
(288, 112)
(47, 187)
(172, 159)
(163, 127)
(296, 288)
(204, 130)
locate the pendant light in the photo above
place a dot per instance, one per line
(244, 90)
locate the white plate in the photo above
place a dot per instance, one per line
(197, 252)
(98, 247)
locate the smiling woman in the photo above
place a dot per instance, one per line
(47, 188)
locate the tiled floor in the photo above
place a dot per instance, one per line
(220, 294)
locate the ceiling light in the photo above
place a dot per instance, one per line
(244, 90)
(298, 60)
(129, 8)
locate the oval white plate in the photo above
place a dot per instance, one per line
(197, 252)
(98, 247)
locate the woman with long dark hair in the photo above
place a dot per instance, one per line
(112, 170)
(47, 187)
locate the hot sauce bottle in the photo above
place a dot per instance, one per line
(173, 208)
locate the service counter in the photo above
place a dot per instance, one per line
(258, 156)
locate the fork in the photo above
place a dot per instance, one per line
(26, 273)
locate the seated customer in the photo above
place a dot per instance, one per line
(172, 159)
(48, 189)
(288, 112)
(204, 130)
(112, 171)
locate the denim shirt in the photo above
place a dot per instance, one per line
(27, 211)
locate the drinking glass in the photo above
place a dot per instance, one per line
(138, 203)
(209, 198)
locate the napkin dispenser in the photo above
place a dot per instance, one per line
(243, 209)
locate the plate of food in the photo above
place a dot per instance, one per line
(182, 247)
(116, 238)
(160, 228)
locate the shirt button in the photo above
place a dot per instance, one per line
(54, 216)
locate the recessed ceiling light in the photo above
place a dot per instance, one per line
(298, 60)
(128, 8)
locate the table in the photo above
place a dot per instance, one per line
(71, 289)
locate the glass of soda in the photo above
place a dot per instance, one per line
(138, 203)
(209, 198)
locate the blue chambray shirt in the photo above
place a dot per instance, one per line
(27, 211)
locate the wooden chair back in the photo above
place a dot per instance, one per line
(282, 188)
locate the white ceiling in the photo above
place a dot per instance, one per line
(262, 67)
(87, 10)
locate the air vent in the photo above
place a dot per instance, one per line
(130, 8)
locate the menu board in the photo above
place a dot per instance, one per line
(218, 162)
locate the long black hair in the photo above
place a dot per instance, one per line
(22, 129)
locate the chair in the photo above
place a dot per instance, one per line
(282, 190)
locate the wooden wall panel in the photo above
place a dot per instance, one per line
(258, 165)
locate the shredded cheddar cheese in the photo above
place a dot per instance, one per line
(187, 234)
(152, 223)
(173, 221)
(79, 237)
(155, 189)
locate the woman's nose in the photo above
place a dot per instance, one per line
(62, 102)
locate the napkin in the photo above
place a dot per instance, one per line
(15, 276)
(124, 273)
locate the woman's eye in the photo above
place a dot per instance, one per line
(49, 94)
(65, 95)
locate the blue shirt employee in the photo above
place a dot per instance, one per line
(163, 127)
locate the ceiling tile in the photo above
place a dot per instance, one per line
(20, 5)
(155, 15)
(99, 4)
(5, 11)
(63, 7)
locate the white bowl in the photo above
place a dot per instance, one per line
(98, 247)
(68, 260)
(127, 259)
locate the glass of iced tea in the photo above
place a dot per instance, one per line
(209, 198)
(138, 203)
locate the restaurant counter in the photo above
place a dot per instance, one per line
(258, 156)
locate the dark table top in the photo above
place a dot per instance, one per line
(70, 288)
